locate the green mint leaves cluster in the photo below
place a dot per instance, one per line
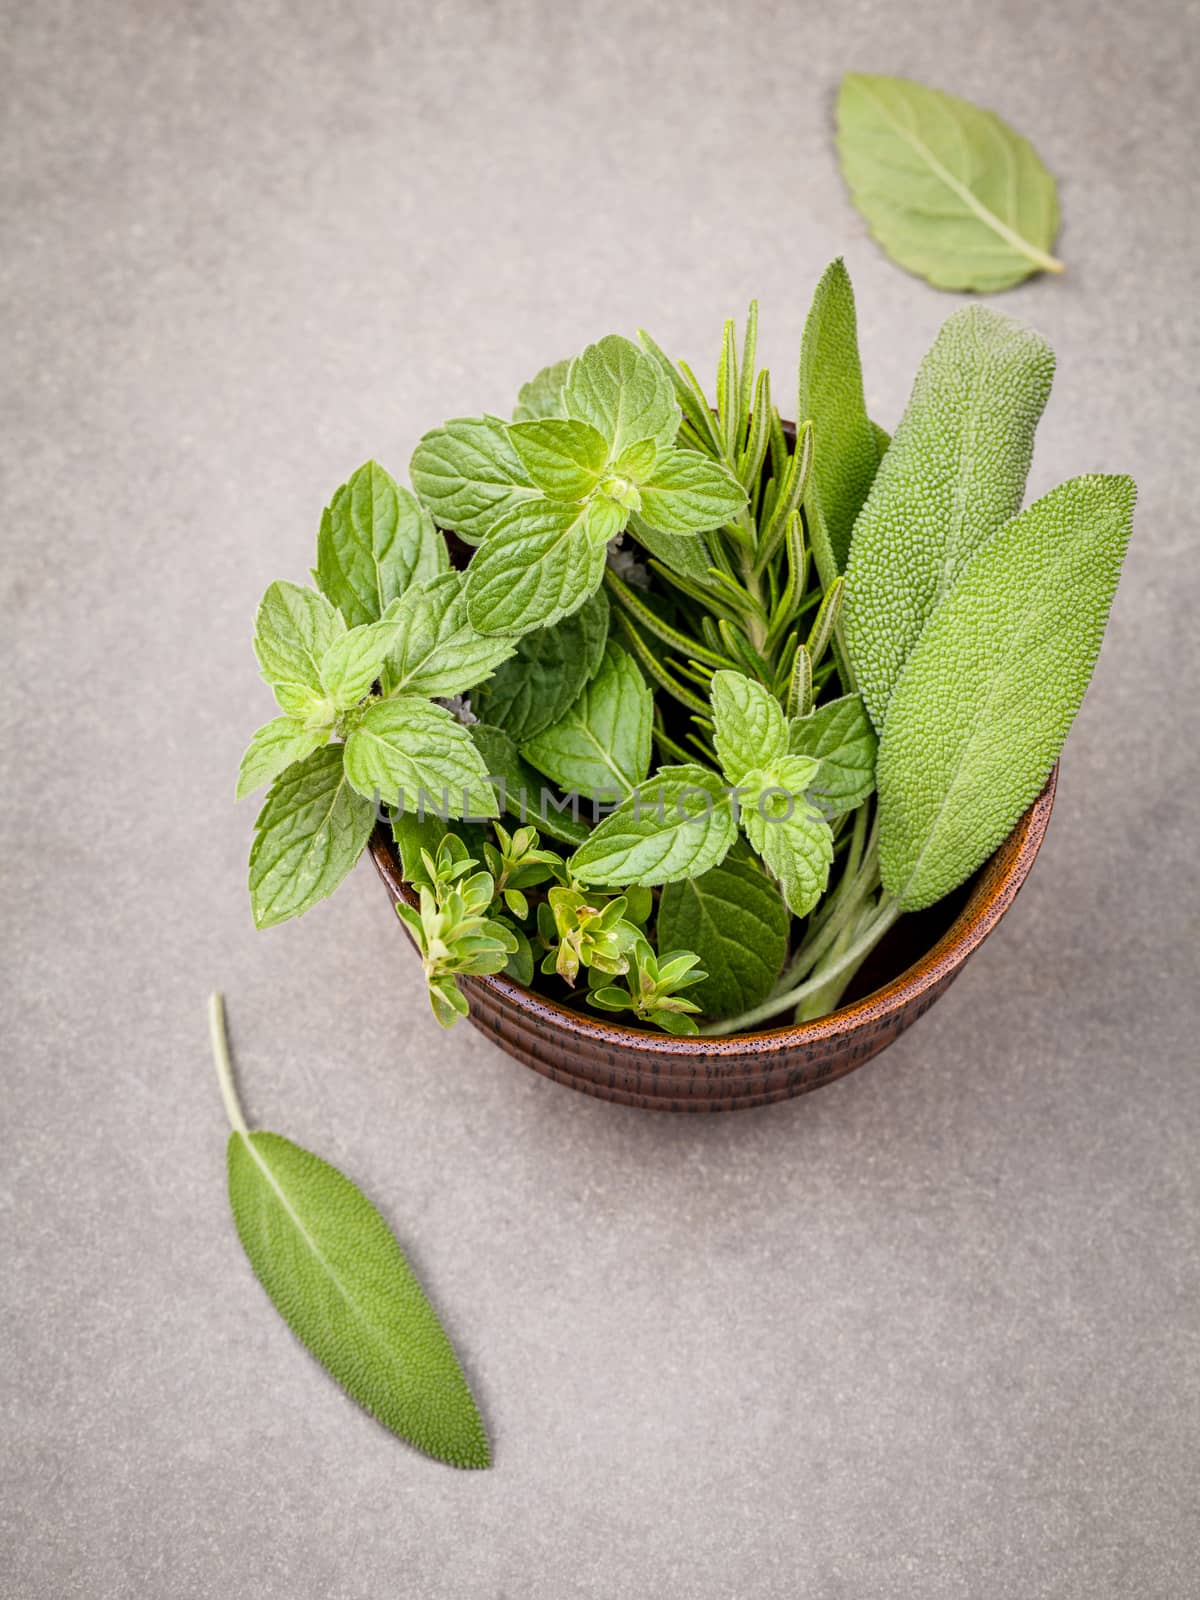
(764, 689)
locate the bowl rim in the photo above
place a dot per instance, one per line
(996, 886)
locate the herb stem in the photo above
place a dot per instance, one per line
(220, 1049)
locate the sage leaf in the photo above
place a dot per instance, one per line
(733, 918)
(677, 824)
(845, 456)
(525, 795)
(437, 650)
(469, 475)
(335, 1273)
(788, 832)
(749, 729)
(274, 748)
(601, 748)
(542, 395)
(408, 752)
(542, 564)
(376, 538)
(623, 393)
(538, 684)
(993, 685)
(839, 735)
(292, 631)
(308, 835)
(953, 475)
(564, 458)
(687, 493)
(950, 191)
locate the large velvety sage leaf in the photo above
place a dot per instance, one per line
(274, 748)
(845, 454)
(292, 631)
(623, 393)
(469, 475)
(749, 728)
(788, 832)
(308, 835)
(408, 751)
(840, 736)
(992, 687)
(375, 539)
(549, 671)
(688, 493)
(733, 918)
(542, 395)
(601, 748)
(437, 651)
(950, 191)
(564, 458)
(678, 824)
(953, 474)
(541, 563)
(524, 792)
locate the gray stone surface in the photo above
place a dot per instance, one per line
(931, 1332)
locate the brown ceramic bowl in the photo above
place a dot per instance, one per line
(913, 965)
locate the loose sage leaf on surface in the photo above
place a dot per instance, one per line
(678, 824)
(623, 393)
(950, 191)
(524, 792)
(542, 565)
(953, 475)
(292, 631)
(469, 475)
(787, 831)
(734, 920)
(601, 747)
(341, 1282)
(538, 684)
(840, 736)
(308, 835)
(749, 729)
(992, 687)
(274, 748)
(687, 493)
(437, 650)
(564, 458)
(831, 398)
(408, 747)
(375, 539)
(542, 395)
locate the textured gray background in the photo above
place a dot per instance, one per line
(931, 1332)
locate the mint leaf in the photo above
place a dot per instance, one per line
(524, 790)
(437, 651)
(993, 685)
(353, 662)
(469, 475)
(733, 918)
(840, 736)
(274, 748)
(678, 824)
(542, 395)
(687, 493)
(637, 461)
(540, 564)
(564, 458)
(687, 554)
(536, 686)
(953, 474)
(408, 752)
(375, 539)
(749, 729)
(950, 191)
(308, 835)
(292, 631)
(623, 393)
(789, 833)
(601, 747)
(831, 398)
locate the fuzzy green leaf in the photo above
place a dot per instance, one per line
(292, 631)
(407, 747)
(542, 395)
(831, 398)
(733, 918)
(438, 652)
(375, 539)
(950, 191)
(687, 493)
(601, 747)
(308, 835)
(273, 749)
(678, 824)
(538, 684)
(790, 834)
(524, 792)
(993, 685)
(840, 736)
(469, 475)
(749, 729)
(954, 474)
(564, 458)
(623, 393)
(541, 563)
